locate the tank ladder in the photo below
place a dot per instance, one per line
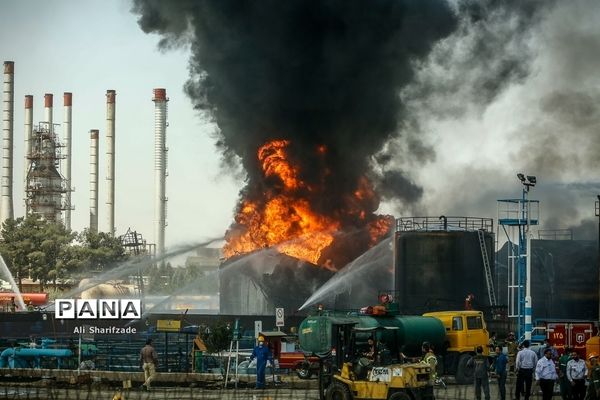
(486, 266)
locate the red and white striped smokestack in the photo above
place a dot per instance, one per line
(94, 133)
(6, 209)
(67, 125)
(160, 167)
(110, 157)
(48, 111)
(28, 133)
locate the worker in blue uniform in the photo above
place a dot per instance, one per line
(262, 354)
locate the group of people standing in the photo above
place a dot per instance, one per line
(528, 365)
(545, 367)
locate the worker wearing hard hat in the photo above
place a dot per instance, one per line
(593, 389)
(262, 354)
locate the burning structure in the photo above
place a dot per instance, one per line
(301, 238)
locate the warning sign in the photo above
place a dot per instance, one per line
(279, 317)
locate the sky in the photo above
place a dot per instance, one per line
(518, 92)
(88, 47)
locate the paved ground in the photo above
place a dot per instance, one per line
(21, 391)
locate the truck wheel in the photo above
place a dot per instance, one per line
(303, 372)
(464, 373)
(338, 391)
(400, 396)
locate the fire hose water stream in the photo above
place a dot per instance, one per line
(376, 259)
(6, 273)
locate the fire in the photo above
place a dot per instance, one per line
(274, 163)
(379, 228)
(284, 222)
(284, 217)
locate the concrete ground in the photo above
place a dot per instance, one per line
(10, 390)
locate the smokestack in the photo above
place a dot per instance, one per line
(110, 158)
(94, 133)
(68, 101)
(28, 131)
(6, 210)
(160, 167)
(48, 102)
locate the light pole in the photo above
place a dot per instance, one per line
(598, 215)
(524, 259)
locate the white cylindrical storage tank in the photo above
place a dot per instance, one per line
(110, 158)
(94, 133)
(68, 102)
(27, 135)
(8, 96)
(160, 167)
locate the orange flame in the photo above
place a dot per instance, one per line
(285, 220)
(274, 163)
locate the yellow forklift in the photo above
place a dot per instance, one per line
(347, 373)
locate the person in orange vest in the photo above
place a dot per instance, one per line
(593, 389)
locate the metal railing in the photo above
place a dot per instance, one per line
(443, 223)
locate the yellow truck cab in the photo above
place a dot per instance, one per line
(465, 330)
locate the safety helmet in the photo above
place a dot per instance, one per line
(261, 338)
(592, 355)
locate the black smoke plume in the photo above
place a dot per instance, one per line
(343, 74)
(314, 72)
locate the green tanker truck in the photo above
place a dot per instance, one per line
(453, 334)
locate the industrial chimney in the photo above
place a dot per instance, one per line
(110, 158)
(160, 167)
(68, 101)
(28, 131)
(48, 116)
(94, 133)
(6, 209)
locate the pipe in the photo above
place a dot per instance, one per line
(110, 158)
(94, 133)
(528, 301)
(160, 167)
(68, 101)
(13, 357)
(28, 133)
(6, 210)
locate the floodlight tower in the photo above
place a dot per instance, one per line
(598, 215)
(516, 216)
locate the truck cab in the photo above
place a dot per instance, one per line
(465, 331)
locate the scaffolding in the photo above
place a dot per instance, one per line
(135, 244)
(515, 217)
(45, 185)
